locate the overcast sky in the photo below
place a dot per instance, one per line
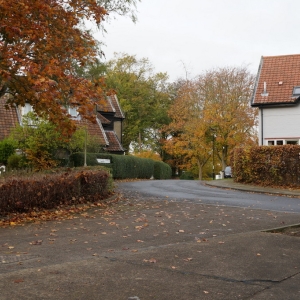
(200, 35)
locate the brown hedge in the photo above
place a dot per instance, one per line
(47, 191)
(267, 165)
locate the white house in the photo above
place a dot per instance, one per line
(277, 95)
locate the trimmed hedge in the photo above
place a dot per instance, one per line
(126, 166)
(267, 165)
(46, 191)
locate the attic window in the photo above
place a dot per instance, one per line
(296, 91)
(72, 111)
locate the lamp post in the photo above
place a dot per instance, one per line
(85, 142)
(213, 157)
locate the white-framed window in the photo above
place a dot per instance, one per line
(292, 142)
(27, 108)
(296, 91)
(72, 111)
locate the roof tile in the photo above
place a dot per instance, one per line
(274, 69)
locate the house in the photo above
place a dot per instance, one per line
(277, 94)
(107, 130)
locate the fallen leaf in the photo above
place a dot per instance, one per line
(38, 242)
(188, 259)
(18, 280)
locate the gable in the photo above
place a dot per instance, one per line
(276, 79)
(8, 118)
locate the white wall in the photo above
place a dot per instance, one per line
(280, 123)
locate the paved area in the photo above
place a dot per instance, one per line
(153, 248)
(229, 183)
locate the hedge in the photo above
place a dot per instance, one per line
(126, 166)
(46, 191)
(267, 165)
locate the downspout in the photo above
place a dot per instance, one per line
(262, 126)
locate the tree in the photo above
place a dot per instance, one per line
(144, 97)
(211, 115)
(224, 94)
(42, 42)
(187, 142)
(44, 147)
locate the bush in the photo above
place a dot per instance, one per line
(7, 148)
(46, 191)
(267, 165)
(162, 170)
(126, 166)
(186, 176)
(14, 161)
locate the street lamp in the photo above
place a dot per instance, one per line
(213, 156)
(85, 145)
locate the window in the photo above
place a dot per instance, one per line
(26, 109)
(279, 142)
(73, 111)
(270, 143)
(292, 142)
(296, 91)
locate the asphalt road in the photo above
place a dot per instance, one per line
(162, 240)
(197, 191)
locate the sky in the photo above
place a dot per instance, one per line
(187, 38)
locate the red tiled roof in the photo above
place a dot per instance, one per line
(95, 130)
(8, 118)
(114, 143)
(106, 106)
(117, 107)
(102, 119)
(279, 74)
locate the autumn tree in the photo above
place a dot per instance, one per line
(144, 97)
(211, 115)
(224, 94)
(187, 142)
(42, 42)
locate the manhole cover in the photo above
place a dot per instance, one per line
(8, 259)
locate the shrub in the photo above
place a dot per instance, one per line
(186, 176)
(162, 170)
(126, 166)
(265, 165)
(7, 148)
(46, 191)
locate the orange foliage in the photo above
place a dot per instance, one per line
(148, 154)
(41, 44)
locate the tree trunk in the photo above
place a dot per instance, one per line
(200, 167)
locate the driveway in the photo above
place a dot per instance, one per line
(152, 245)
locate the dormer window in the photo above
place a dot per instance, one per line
(27, 108)
(296, 91)
(73, 111)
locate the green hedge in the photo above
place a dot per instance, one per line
(125, 166)
(162, 170)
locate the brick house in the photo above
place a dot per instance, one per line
(277, 94)
(107, 130)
